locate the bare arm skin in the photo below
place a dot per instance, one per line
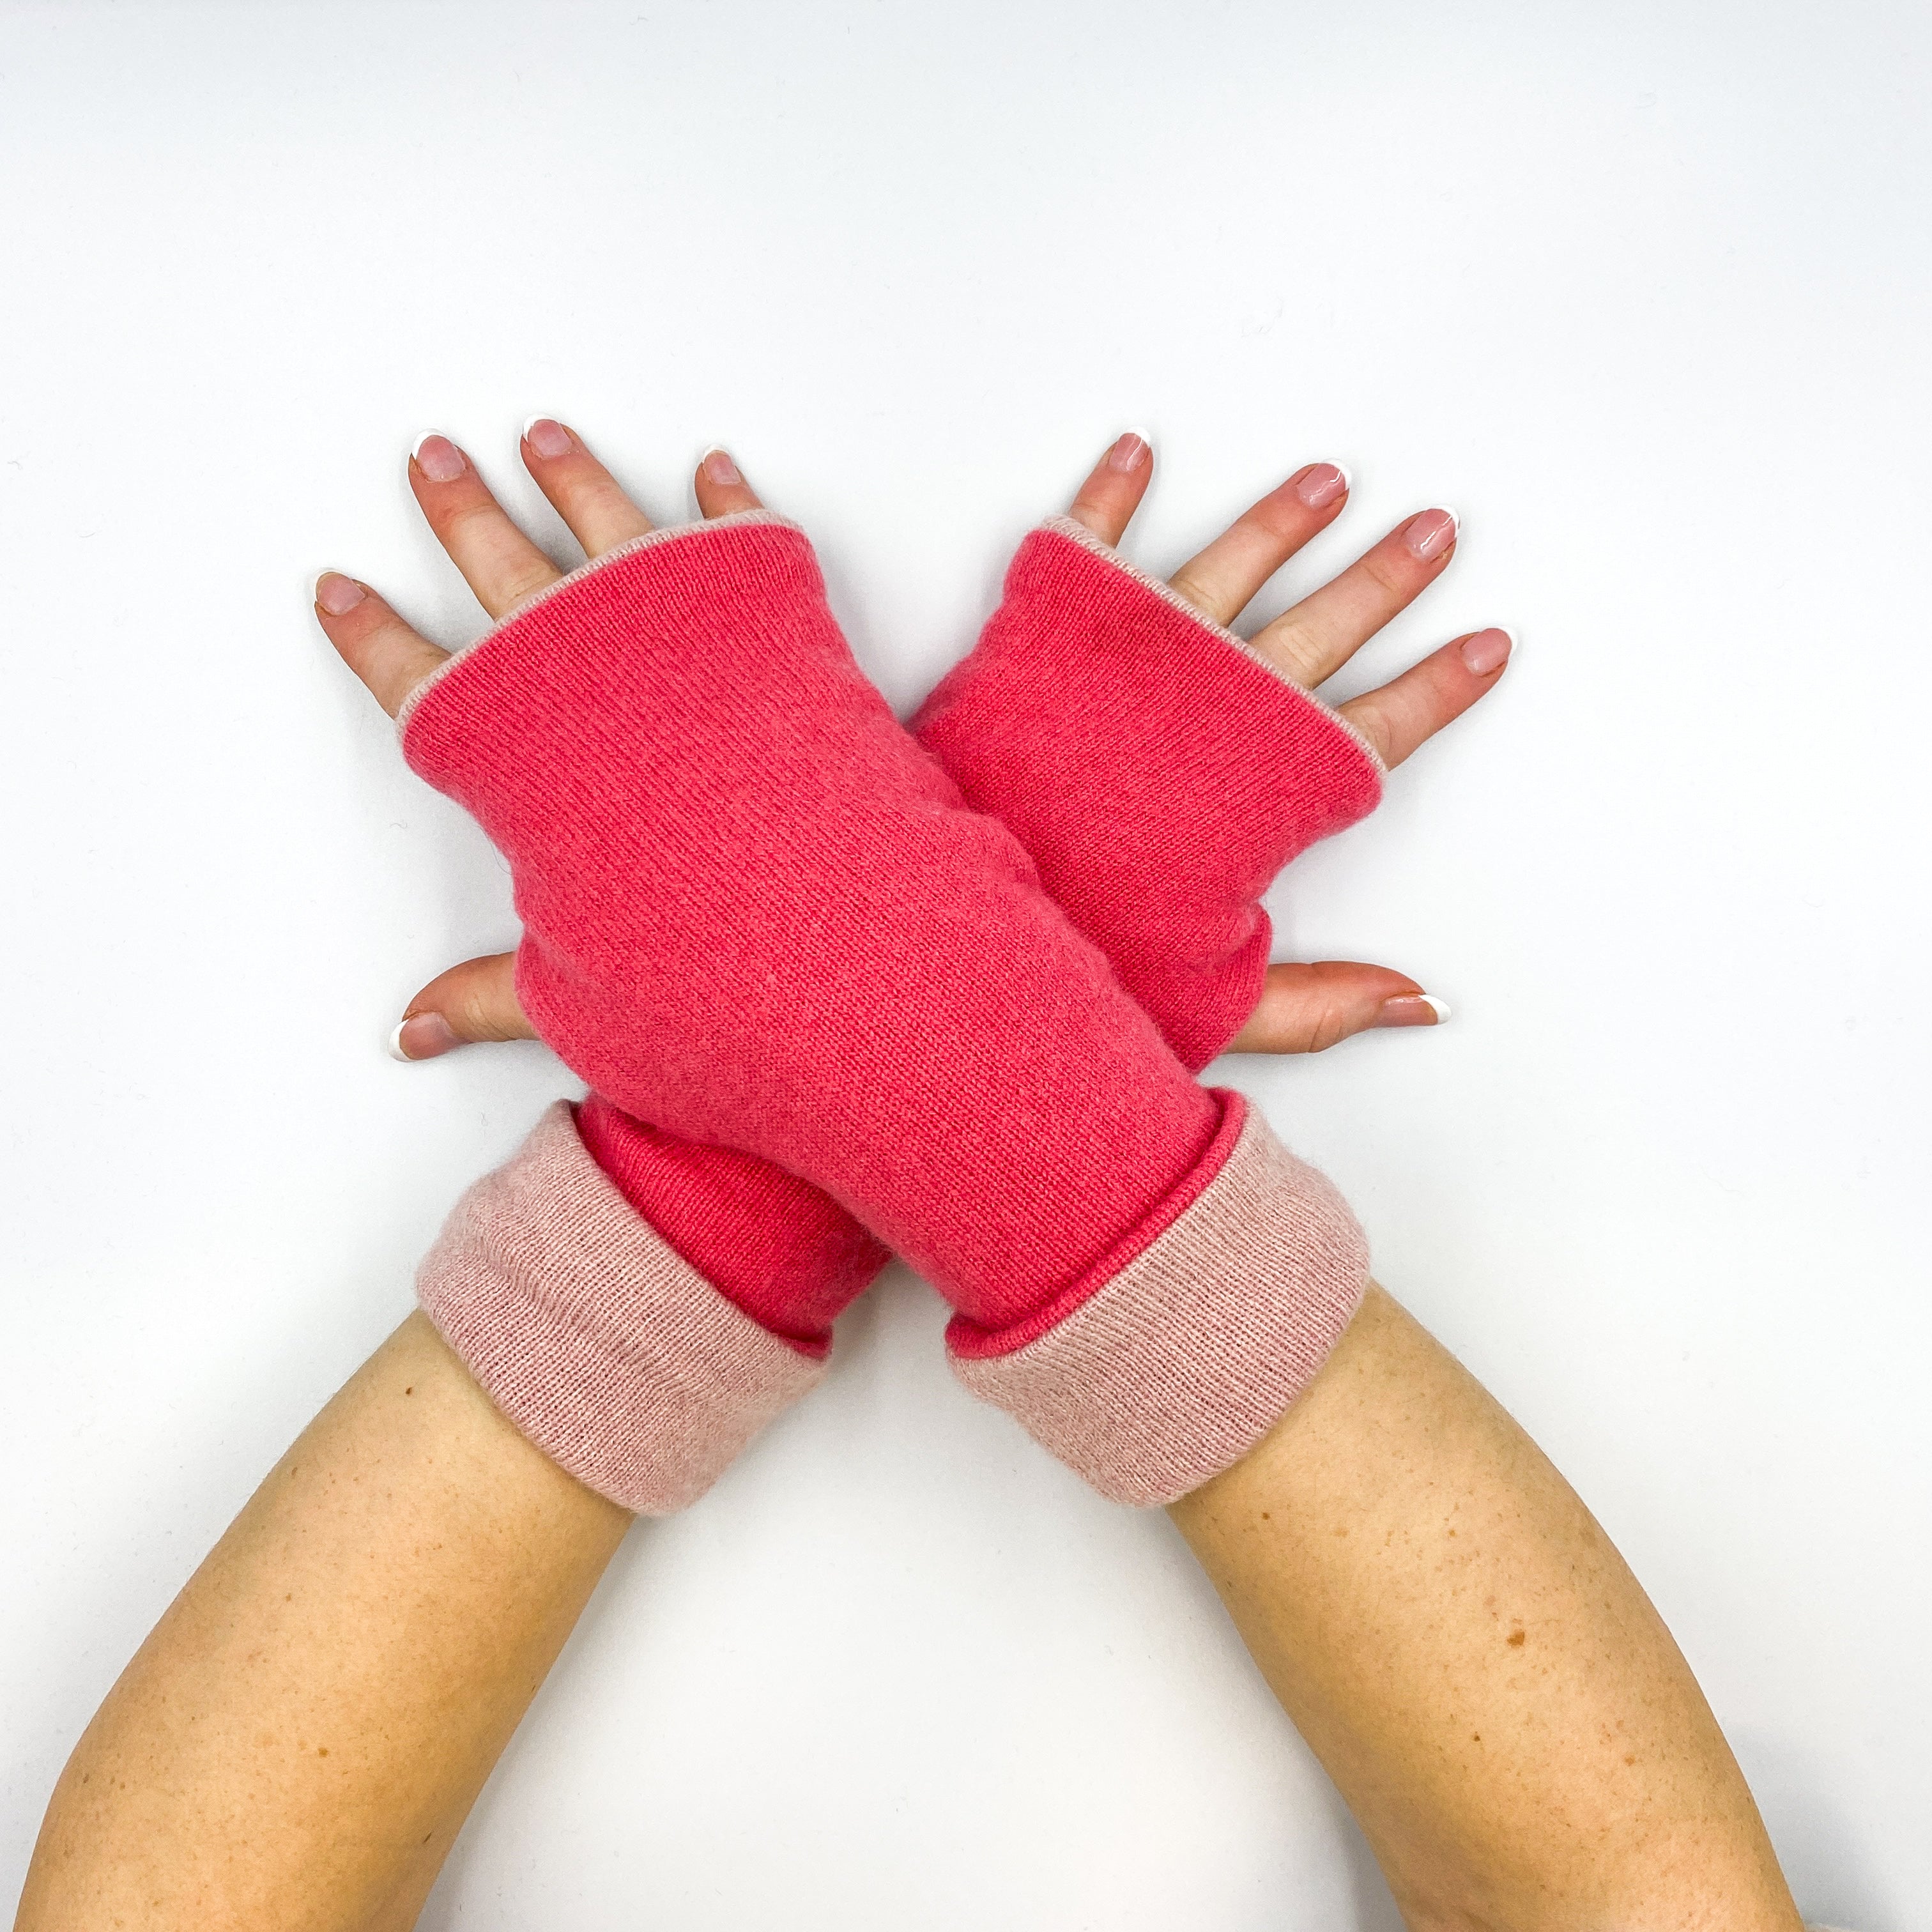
(298, 1741)
(1461, 1645)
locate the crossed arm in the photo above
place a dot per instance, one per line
(299, 1740)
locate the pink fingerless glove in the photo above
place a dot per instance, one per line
(1160, 773)
(757, 915)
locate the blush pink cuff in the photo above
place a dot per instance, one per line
(612, 1354)
(1192, 1353)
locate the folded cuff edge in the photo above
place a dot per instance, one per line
(1183, 1362)
(603, 1346)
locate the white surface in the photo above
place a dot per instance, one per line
(1640, 290)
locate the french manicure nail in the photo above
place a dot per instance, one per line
(1413, 1010)
(422, 1036)
(546, 437)
(718, 468)
(1130, 452)
(1431, 532)
(438, 458)
(1488, 650)
(337, 594)
(1322, 485)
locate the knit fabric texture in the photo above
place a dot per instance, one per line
(1188, 1356)
(1158, 773)
(774, 1246)
(758, 915)
(666, 748)
(610, 1352)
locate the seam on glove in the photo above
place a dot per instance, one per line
(607, 1350)
(1077, 533)
(667, 533)
(1183, 1362)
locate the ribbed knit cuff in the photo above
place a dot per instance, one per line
(1187, 1358)
(609, 1352)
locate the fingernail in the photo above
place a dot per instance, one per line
(718, 467)
(1413, 1010)
(1130, 452)
(1431, 532)
(1488, 650)
(547, 438)
(337, 594)
(438, 458)
(1322, 485)
(422, 1036)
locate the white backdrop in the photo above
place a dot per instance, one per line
(1640, 289)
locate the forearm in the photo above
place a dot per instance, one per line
(1494, 1696)
(299, 1739)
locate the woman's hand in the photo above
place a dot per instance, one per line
(498, 561)
(1304, 1007)
(477, 1000)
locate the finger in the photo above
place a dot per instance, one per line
(1306, 1008)
(1222, 579)
(1317, 636)
(1109, 497)
(475, 1001)
(498, 561)
(721, 486)
(390, 657)
(580, 489)
(1408, 711)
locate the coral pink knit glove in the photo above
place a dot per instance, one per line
(1158, 773)
(757, 915)
(1106, 723)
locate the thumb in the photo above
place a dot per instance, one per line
(476, 1000)
(1304, 1008)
